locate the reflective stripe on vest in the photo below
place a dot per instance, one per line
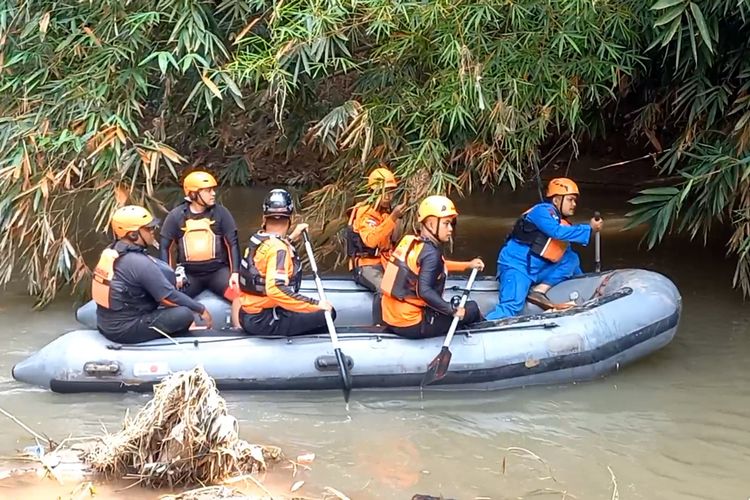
(355, 246)
(251, 281)
(252, 273)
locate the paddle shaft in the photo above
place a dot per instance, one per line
(462, 303)
(346, 377)
(321, 291)
(598, 245)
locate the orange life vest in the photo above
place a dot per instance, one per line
(364, 216)
(401, 304)
(401, 272)
(252, 272)
(281, 288)
(199, 243)
(103, 274)
(115, 295)
(525, 232)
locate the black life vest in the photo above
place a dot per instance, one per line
(525, 232)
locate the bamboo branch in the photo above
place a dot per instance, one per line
(620, 163)
(26, 427)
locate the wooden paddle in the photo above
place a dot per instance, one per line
(438, 367)
(346, 376)
(598, 245)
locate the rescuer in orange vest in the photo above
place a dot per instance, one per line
(414, 278)
(135, 301)
(204, 235)
(270, 276)
(370, 230)
(538, 252)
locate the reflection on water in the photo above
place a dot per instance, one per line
(672, 426)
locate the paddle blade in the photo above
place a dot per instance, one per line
(346, 376)
(438, 367)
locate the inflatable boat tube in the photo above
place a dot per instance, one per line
(620, 317)
(352, 301)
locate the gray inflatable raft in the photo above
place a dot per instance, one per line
(353, 302)
(620, 317)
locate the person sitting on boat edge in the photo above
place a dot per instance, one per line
(369, 232)
(414, 278)
(205, 235)
(537, 252)
(270, 276)
(135, 302)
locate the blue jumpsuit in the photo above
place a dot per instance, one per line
(518, 269)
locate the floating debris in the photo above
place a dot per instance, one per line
(182, 437)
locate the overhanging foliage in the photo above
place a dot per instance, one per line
(105, 98)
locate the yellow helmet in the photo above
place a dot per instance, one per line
(381, 178)
(438, 206)
(131, 218)
(561, 187)
(198, 180)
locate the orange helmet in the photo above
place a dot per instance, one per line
(561, 186)
(381, 178)
(131, 218)
(195, 181)
(437, 206)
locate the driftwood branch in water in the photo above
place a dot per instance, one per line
(26, 428)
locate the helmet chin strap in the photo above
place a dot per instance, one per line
(197, 198)
(432, 233)
(136, 238)
(559, 205)
(557, 202)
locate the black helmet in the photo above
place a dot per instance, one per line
(278, 203)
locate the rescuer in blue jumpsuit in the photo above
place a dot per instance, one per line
(538, 252)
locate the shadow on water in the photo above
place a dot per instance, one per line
(671, 426)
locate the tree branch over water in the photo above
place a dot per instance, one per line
(116, 98)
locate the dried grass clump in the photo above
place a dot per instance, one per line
(182, 437)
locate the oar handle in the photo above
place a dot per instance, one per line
(461, 303)
(598, 244)
(321, 291)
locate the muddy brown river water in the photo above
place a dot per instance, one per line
(675, 425)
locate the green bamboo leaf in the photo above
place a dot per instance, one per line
(663, 4)
(664, 190)
(692, 39)
(649, 199)
(231, 84)
(150, 57)
(670, 15)
(186, 62)
(702, 27)
(163, 59)
(636, 218)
